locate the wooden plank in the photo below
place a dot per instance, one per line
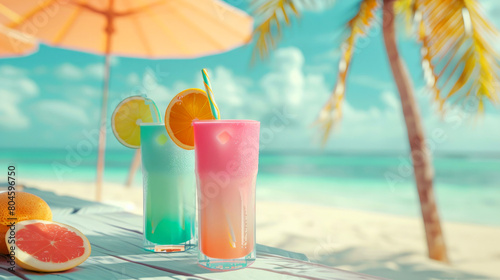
(117, 253)
(67, 205)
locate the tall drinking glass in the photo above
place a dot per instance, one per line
(227, 156)
(169, 191)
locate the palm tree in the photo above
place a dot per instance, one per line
(458, 60)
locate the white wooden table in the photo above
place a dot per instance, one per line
(117, 253)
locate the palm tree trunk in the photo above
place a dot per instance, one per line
(422, 164)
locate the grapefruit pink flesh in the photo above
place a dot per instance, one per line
(49, 246)
(50, 243)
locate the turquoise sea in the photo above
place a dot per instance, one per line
(467, 188)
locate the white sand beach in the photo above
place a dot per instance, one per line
(382, 245)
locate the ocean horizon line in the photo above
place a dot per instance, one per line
(304, 152)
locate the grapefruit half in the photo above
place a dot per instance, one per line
(48, 246)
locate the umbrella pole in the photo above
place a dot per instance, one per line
(107, 72)
(102, 130)
(133, 168)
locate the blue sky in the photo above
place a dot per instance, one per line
(52, 98)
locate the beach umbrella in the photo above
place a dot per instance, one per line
(12, 43)
(143, 29)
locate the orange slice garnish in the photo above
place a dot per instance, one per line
(187, 106)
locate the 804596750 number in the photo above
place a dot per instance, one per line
(11, 179)
(11, 207)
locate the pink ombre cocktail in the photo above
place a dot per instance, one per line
(227, 156)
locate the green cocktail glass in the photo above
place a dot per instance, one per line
(169, 191)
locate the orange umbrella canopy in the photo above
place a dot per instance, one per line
(13, 43)
(146, 28)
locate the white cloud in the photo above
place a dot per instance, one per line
(16, 79)
(288, 85)
(95, 71)
(133, 79)
(8, 70)
(40, 70)
(115, 60)
(74, 73)
(316, 6)
(464, 131)
(11, 115)
(89, 91)
(287, 57)
(16, 88)
(234, 95)
(390, 99)
(27, 86)
(69, 71)
(231, 90)
(150, 86)
(20, 105)
(383, 129)
(285, 84)
(59, 114)
(238, 97)
(373, 129)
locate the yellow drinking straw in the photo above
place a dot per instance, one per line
(211, 99)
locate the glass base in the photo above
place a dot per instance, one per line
(225, 264)
(168, 248)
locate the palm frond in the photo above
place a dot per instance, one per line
(359, 26)
(406, 9)
(271, 13)
(458, 58)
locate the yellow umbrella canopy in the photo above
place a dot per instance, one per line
(144, 29)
